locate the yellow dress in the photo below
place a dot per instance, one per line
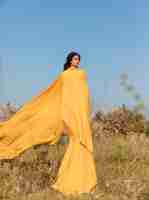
(41, 120)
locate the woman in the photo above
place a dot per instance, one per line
(64, 105)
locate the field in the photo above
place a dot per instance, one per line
(121, 152)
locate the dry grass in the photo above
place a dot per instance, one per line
(122, 167)
(122, 164)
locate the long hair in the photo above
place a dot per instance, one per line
(69, 58)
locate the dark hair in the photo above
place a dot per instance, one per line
(69, 58)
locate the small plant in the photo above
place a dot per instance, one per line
(129, 88)
(120, 152)
(146, 131)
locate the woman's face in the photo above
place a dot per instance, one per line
(75, 60)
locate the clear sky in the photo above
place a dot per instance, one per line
(112, 37)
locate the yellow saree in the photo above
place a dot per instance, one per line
(41, 120)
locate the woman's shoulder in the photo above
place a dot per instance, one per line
(77, 74)
(73, 71)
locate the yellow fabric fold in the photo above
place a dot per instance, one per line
(37, 121)
(76, 106)
(42, 119)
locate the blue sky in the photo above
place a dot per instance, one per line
(111, 36)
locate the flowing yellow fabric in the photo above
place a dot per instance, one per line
(41, 120)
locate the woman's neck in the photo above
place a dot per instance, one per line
(72, 66)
